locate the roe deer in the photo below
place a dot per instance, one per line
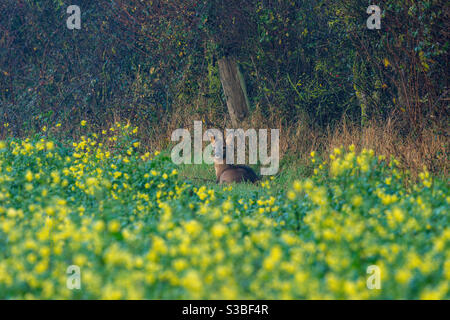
(228, 173)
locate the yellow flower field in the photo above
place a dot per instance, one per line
(138, 230)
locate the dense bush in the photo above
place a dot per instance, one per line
(407, 60)
(152, 61)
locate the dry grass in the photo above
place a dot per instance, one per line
(428, 147)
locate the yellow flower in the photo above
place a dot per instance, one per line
(114, 226)
(403, 276)
(83, 123)
(99, 226)
(227, 206)
(273, 258)
(193, 227)
(430, 295)
(397, 214)
(291, 195)
(28, 176)
(357, 200)
(41, 267)
(49, 145)
(218, 230)
(297, 186)
(192, 281)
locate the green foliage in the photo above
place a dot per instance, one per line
(151, 61)
(405, 61)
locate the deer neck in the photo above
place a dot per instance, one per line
(220, 168)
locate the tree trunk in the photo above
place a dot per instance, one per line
(234, 88)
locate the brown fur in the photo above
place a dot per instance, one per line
(228, 173)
